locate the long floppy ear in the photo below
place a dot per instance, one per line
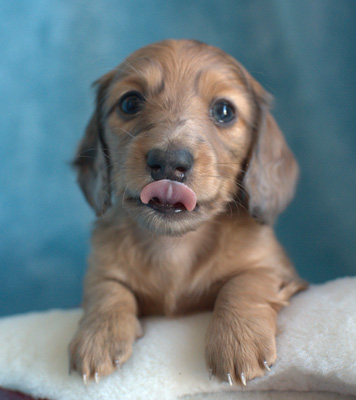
(272, 172)
(92, 160)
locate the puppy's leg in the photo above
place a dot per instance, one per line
(240, 342)
(107, 330)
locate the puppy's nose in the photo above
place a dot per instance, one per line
(170, 164)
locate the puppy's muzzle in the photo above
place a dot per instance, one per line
(169, 169)
(174, 165)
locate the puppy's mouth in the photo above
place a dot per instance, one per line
(169, 197)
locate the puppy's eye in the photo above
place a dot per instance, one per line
(131, 103)
(223, 112)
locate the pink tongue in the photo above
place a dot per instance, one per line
(169, 192)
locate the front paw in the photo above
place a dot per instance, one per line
(102, 344)
(239, 350)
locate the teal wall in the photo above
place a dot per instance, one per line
(302, 51)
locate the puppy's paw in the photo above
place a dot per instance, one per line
(239, 351)
(102, 344)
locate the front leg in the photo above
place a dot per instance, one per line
(107, 329)
(240, 342)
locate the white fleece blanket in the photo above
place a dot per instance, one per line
(316, 355)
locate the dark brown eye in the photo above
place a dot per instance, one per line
(223, 112)
(131, 103)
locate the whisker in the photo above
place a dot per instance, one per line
(121, 129)
(123, 197)
(82, 154)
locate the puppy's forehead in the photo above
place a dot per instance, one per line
(188, 65)
(143, 72)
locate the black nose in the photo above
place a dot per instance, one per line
(170, 164)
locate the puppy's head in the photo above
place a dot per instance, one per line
(181, 132)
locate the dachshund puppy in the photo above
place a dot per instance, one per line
(187, 170)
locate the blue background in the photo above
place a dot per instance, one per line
(302, 51)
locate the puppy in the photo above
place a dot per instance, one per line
(187, 170)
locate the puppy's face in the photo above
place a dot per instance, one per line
(176, 127)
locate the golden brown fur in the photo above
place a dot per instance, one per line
(223, 256)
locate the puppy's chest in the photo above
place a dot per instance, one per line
(170, 284)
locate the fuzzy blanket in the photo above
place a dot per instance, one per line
(316, 355)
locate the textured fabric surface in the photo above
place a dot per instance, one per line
(316, 353)
(51, 51)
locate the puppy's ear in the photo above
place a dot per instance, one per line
(92, 160)
(272, 170)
